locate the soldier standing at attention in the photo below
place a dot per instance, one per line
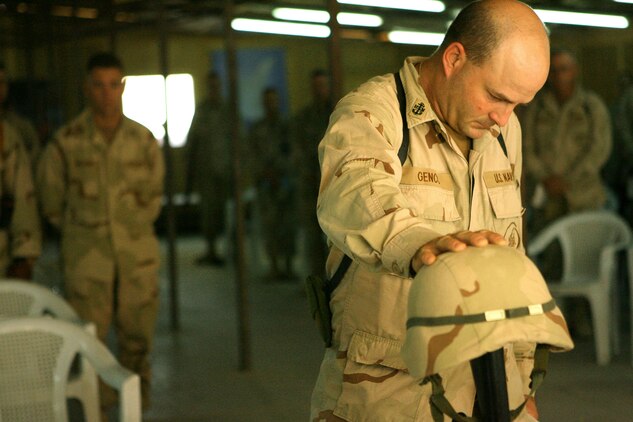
(270, 151)
(455, 185)
(568, 140)
(24, 128)
(20, 232)
(209, 166)
(308, 129)
(100, 181)
(567, 132)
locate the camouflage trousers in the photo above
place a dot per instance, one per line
(131, 306)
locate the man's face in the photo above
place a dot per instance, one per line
(4, 87)
(562, 73)
(104, 90)
(482, 95)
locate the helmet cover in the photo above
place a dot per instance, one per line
(475, 301)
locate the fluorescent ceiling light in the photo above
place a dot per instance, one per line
(584, 19)
(414, 37)
(418, 5)
(624, 1)
(281, 28)
(301, 15)
(321, 16)
(359, 19)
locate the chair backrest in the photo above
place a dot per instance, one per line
(588, 241)
(24, 298)
(35, 359)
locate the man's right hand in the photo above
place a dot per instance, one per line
(454, 242)
(555, 186)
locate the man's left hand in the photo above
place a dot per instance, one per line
(21, 268)
(454, 242)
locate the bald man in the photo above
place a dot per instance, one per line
(455, 185)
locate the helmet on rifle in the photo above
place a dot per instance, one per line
(475, 301)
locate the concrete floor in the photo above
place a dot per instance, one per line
(197, 376)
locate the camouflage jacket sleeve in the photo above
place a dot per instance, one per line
(24, 227)
(51, 183)
(153, 191)
(361, 207)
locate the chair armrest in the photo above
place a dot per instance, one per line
(116, 376)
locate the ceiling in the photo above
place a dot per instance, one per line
(30, 23)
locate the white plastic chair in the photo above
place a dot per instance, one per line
(24, 298)
(19, 298)
(589, 243)
(35, 359)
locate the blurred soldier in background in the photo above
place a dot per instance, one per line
(308, 128)
(24, 128)
(20, 232)
(100, 181)
(272, 167)
(568, 140)
(209, 165)
(567, 133)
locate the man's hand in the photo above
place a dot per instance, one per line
(454, 242)
(21, 268)
(555, 186)
(530, 407)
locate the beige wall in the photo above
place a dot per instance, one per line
(603, 55)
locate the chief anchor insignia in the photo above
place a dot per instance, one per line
(418, 109)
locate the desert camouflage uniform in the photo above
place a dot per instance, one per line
(572, 141)
(20, 232)
(272, 168)
(380, 213)
(104, 197)
(28, 134)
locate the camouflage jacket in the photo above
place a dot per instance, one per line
(20, 234)
(101, 191)
(573, 141)
(380, 212)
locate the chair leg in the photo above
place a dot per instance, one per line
(600, 313)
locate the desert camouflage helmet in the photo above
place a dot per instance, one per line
(475, 301)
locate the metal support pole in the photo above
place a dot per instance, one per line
(240, 259)
(334, 49)
(492, 389)
(112, 24)
(169, 185)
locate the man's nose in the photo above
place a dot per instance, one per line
(501, 115)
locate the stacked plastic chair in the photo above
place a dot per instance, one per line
(590, 242)
(36, 355)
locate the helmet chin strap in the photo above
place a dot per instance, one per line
(440, 405)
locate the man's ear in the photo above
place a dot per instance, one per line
(453, 58)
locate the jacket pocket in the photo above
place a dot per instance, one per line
(430, 193)
(376, 386)
(370, 349)
(505, 201)
(432, 203)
